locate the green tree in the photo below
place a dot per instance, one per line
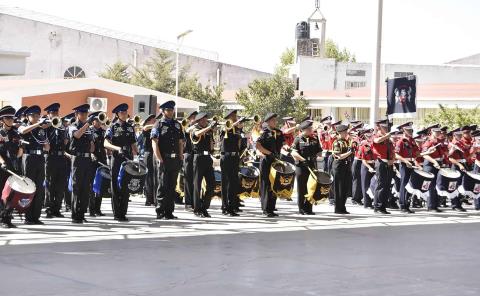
(287, 58)
(452, 117)
(118, 72)
(333, 51)
(192, 89)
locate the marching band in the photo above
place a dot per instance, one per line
(77, 160)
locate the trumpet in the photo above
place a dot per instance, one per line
(184, 123)
(108, 122)
(102, 117)
(214, 118)
(136, 120)
(256, 118)
(56, 122)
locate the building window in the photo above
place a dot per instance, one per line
(141, 107)
(354, 84)
(360, 73)
(74, 72)
(402, 74)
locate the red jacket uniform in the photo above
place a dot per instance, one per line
(384, 150)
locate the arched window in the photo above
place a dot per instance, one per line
(74, 72)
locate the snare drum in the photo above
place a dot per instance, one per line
(101, 183)
(470, 185)
(248, 178)
(282, 179)
(419, 183)
(448, 182)
(318, 186)
(132, 176)
(18, 193)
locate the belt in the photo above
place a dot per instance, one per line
(36, 152)
(171, 155)
(370, 161)
(229, 153)
(202, 153)
(439, 159)
(82, 154)
(410, 159)
(57, 153)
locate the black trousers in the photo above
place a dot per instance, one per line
(34, 168)
(384, 173)
(331, 196)
(341, 172)
(267, 198)
(230, 182)
(357, 180)
(405, 174)
(366, 177)
(202, 168)
(150, 190)
(188, 179)
(167, 182)
(56, 179)
(432, 200)
(119, 195)
(302, 174)
(81, 185)
(326, 163)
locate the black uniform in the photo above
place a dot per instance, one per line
(150, 188)
(98, 137)
(188, 171)
(81, 170)
(56, 169)
(9, 147)
(67, 194)
(120, 134)
(272, 140)
(308, 148)
(229, 164)
(169, 134)
(341, 172)
(34, 168)
(202, 168)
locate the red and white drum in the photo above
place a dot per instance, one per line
(18, 193)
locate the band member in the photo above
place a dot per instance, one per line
(230, 165)
(202, 140)
(288, 130)
(333, 138)
(33, 132)
(341, 170)
(167, 143)
(243, 156)
(384, 151)
(56, 165)
(10, 156)
(67, 196)
(81, 145)
(365, 154)
(188, 162)
(150, 190)
(99, 159)
(406, 151)
(357, 195)
(269, 144)
(457, 156)
(120, 139)
(324, 137)
(435, 154)
(305, 149)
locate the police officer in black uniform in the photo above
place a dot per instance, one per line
(167, 142)
(34, 133)
(188, 162)
(67, 196)
(305, 149)
(56, 165)
(150, 190)
(229, 164)
(99, 159)
(341, 169)
(81, 147)
(202, 140)
(120, 139)
(269, 144)
(10, 156)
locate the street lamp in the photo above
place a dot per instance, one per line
(179, 39)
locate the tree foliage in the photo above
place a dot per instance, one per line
(118, 72)
(453, 117)
(287, 58)
(333, 51)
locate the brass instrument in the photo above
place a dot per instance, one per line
(136, 120)
(56, 122)
(108, 122)
(102, 117)
(256, 118)
(184, 123)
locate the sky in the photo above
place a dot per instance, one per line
(253, 33)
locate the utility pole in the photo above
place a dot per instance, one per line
(375, 92)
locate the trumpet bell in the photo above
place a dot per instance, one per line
(57, 122)
(102, 117)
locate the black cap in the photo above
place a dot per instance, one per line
(407, 125)
(200, 115)
(270, 116)
(149, 117)
(193, 113)
(20, 111)
(444, 129)
(476, 133)
(465, 128)
(7, 111)
(473, 127)
(336, 123)
(120, 108)
(168, 105)
(432, 126)
(341, 128)
(306, 118)
(35, 109)
(230, 112)
(286, 118)
(94, 114)
(52, 108)
(305, 124)
(82, 108)
(68, 116)
(327, 118)
(356, 126)
(381, 121)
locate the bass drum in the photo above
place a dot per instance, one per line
(132, 176)
(318, 186)
(448, 182)
(282, 179)
(470, 185)
(419, 184)
(18, 193)
(248, 179)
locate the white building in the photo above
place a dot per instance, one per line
(58, 48)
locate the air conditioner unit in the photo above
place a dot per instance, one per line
(97, 104)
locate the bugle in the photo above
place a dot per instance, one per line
(135, 120)
(102, 117)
